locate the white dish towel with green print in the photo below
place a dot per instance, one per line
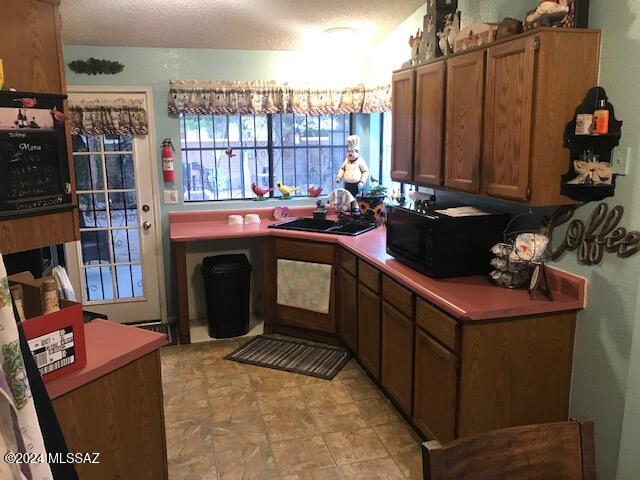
(304, 285)
(16, 403)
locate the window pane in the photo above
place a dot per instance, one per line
(223, 165)
(120, 172)
(123, 208)
(93, 210)
(86, 143)
(98, 283)
(118, 143)
(326, 170)
(325, 130)
(314, 168)
(248, 131)
(300, 180)
(262, 130)
(263, 168)
(88, 170)
(124, 281)
(192, 139)
(288, 132)
(206, 131)
(300, 127)
(126, 245)
(313, 129)
(234, 131)
(220, 126)
(95, 247)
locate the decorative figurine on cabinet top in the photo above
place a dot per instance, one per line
(286, 191)
(546, 14)
(354, 171)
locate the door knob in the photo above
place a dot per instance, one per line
(146, 226)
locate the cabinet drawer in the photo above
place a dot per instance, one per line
(398, 296)
(369, 276)
(304, 251)
(348, 261)
(437, 323)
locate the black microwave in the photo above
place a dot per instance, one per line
(440, 245)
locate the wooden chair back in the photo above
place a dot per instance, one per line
(546, 451)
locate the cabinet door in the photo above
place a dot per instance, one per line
(429, 124)
(465, 87)
(508, 120)
(348, 308)
(397, 356)
(369, 330)
(436, 379)
(402, 90)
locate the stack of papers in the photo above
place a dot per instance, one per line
(462, 212)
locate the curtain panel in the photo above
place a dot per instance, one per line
(108, 117)
(250, 98)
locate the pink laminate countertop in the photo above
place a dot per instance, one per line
(109, 346)
(466, 298)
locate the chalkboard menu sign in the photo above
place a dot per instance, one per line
(34, 173)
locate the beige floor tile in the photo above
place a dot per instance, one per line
(239, 426)
(382, 469)
(303, 454)
(378, 411)
(323, 474)
(238, 380)
(220, 368)
(176, 411)
(199, 468)
(337, 409)
(397, 437)
(337, 422)
(361, 389)
(244, 456)
(359, 445)
(289, 425)
(319, 395)
(264, 379)
(188, 439)
(237, 405)
(285, 399)
(410, 463)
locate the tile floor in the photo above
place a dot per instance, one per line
(229, 421)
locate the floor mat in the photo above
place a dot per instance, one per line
(292, 355)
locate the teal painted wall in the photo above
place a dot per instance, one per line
(606, 371)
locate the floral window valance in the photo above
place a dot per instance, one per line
(248, 98)
(108, 117)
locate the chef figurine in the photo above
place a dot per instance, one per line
(354, 171)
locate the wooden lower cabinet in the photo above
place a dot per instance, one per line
(347, 299)
(397, 356)
(121, 416)
(435, 388)
(369, 330)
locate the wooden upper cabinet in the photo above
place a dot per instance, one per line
(402, 90)
(508, 119)
(465, 88)
(31, 46)
(429, 124)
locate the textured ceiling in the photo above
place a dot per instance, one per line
(227, 24)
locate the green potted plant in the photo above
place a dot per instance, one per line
(372, 199)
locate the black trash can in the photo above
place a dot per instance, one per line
(227, 282)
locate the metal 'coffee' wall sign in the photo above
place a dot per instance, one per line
(600, 234)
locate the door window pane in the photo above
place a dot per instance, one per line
(89, 174)
(120, 172)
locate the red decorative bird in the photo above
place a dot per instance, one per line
(57, 115)
(26, 102)
(315, 191)
(260, 191)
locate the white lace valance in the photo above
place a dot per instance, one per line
(247, 98)
(108, 117)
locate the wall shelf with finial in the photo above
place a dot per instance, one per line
(590, 175)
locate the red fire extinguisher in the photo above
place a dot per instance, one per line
(167, 160)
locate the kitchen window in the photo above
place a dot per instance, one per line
(222, 155)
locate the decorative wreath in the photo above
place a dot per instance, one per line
(93, 66)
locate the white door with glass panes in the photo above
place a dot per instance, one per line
(115, 266)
